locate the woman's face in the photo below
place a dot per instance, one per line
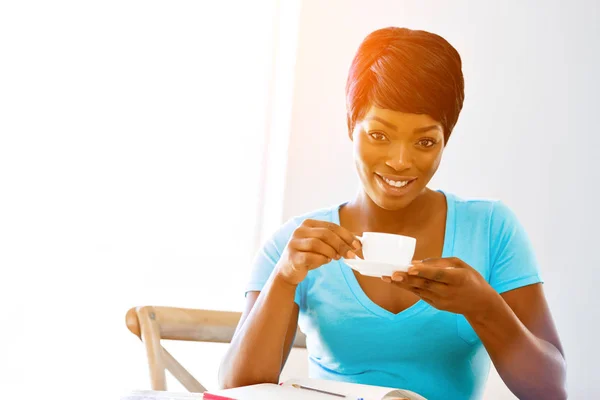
(396, 155)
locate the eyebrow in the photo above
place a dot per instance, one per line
(394, 127)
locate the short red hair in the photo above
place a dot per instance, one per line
(409, 71)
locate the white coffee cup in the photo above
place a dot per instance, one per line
(388, 248)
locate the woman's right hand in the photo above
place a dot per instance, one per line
(313, 244)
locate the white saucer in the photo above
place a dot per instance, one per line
(374, 268)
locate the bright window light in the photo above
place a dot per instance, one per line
(132, 153)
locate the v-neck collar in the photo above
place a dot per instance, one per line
(420, 305)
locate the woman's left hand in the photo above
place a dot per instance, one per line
(447, 284)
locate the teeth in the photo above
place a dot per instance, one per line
(395, 183)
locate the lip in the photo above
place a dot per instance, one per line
(394, 191)
(397, 177)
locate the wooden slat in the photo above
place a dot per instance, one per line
(197, 325)
(150, 334)
(203, 325)
(151, 324)
(181, 374)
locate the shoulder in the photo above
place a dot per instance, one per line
(479, 215)
(321, 214)
(492, 209)
(487, 215)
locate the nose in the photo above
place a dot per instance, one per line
(399, 158)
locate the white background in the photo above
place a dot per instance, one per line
(130, 161)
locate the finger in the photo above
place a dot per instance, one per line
(386, 279)
(441, 262)
(309, 260)
(426, 295)
(399, 276)
(407, 281)
(447, 270)
(350, 239)
(448, 275)
(333, 240)
(426, 284)
(399, 279)
(424, 292)
(323, 234)
(314, 245)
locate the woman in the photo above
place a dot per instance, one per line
(474, 291)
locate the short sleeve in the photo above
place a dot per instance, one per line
(513, 260)
(267, 257)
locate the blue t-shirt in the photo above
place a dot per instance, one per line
(434, 353)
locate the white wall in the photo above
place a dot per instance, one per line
(130, 156)
(527, 133)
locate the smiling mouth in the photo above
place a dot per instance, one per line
(395, 186)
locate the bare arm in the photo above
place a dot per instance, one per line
(521, 339)
(265, 333)
(263, 338)
(515, 327)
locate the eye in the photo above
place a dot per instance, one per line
(378, 136)
(427, 142)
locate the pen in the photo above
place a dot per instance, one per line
(318, 390)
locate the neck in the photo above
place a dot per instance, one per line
(367, 216)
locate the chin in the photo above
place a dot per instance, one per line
(391, 203)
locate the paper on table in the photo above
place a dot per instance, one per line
(269, 391)
(366, 392)
(352, 391)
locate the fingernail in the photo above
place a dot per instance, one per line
(397, 278)
(413, 271)
(356, 244)
(350, 254)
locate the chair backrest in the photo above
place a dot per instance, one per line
(151, 324)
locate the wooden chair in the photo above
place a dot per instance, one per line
(151, 324)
